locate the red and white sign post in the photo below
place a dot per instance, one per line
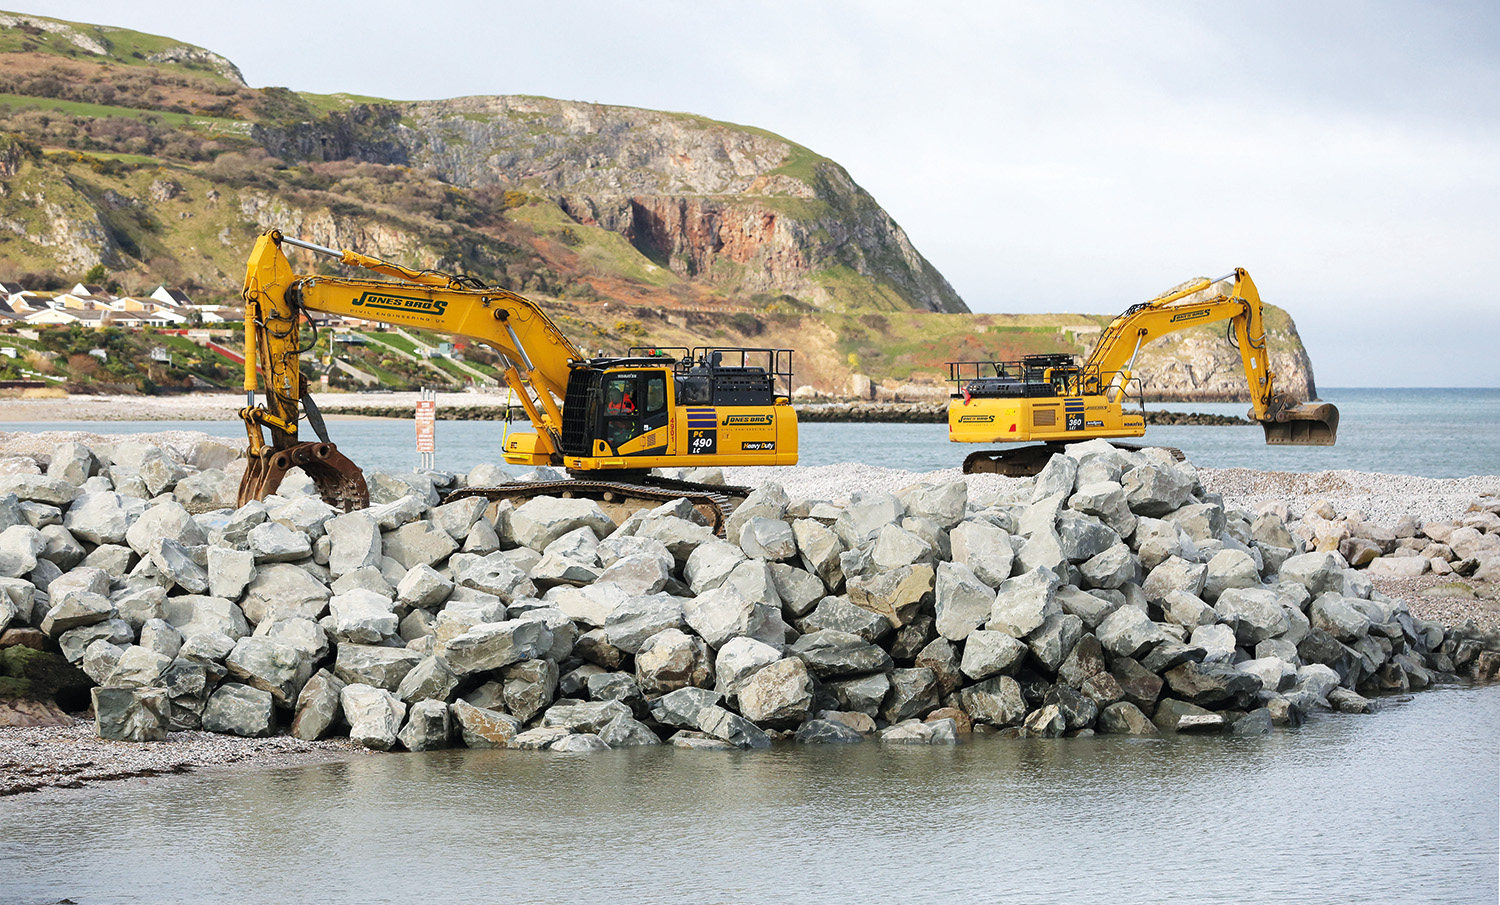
(426, 429)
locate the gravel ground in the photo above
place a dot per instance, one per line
(69, 757)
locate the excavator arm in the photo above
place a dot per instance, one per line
(536, 353)
(1286, 421)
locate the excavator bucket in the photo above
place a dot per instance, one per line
(1303, 425)
(339, 481)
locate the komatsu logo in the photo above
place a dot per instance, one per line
(965, 419)
(1189, 315)
(384, 302)
(748, 419)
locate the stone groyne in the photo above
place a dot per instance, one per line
(807, 412)
(1111, 594)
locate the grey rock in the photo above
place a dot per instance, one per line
(1156, 490)
(996, 701)
(989, 653)
(77, 609)
(284, 591)
(130, 714)
(732, 728)
(1257, 614)
(1124, 718)
(494, 574)
(319, 706)
(826, 732)
(1056, 477)
(166, 520)
(275, 542)
(1023, 603)
(819, 548)
(913, 694)
(831, 654)
(381, 667)
(985, 548)
(417, 543)
(1045, 722)
(1317, 572)
(541, 520)
(1212, 684)
(1170, 653)
(494, 645)
(270, 665)
(1081, 537)
(779, 694)
(915, 732)
(36, 488)
(1332, 613)
(375, 716)
(430, 679)
(485, 728)
(635, 619)
(99, 660)
(1217, 641)
(1105, 500)
(865, 515)
(724, 613)
(237, 709)
(627, 732)
(1052, 643)
(1111, 568)
(361, 617)
(1139, 685)
(942, 658)
(229, 571)
(529, 687)
(1229, 569)
(767, 538)
(428, 727)
(583, 716)
(1187, 610)
(459, 517)
(1090, 608)
(738, 660)
(423, 586)
(963, 602)
(672, 659)
(1175, 574)
(356, 540)
(798, 589)
(138, 667)
(839, 614)
(638, 574)
(863, 694)
(195, 615)
(680, 708)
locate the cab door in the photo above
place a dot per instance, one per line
(635, 405)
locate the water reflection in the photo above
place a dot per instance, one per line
(1401, 805)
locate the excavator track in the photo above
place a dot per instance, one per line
(1026, 461)
(715, 502)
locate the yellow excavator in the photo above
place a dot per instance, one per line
(1053, 399)
(596, 417)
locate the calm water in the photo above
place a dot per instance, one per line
(1433, 433)
(1396, 807)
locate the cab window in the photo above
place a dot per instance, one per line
(656, 393)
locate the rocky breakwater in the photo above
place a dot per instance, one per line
(1111, 593)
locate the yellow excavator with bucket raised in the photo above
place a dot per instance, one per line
(1053, 399)
(600, 417)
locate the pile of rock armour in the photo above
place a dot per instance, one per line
(1467, 547)
(1109, 594)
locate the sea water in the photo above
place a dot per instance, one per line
(1435, 433)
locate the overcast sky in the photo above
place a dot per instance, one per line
(1044, 156)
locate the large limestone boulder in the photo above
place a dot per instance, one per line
(284, 591)
(963, 601)
(996, 701)
(102, 518)
(1129, 632)
(361, 617)
(485, 728)
(985, 548)
(831, 654)
(780, 694)
(542, 520)
(130, 714)
(672, 659)
(738, 660)
(319, 706)
(493, 574)
(724, 613)
(893, 593)
(1023, 603)
(271, 666)
(495, 645)
(381, 667)
(989, 653)
(428, 727)
(375, 716)
(237, 709)
(635, 619)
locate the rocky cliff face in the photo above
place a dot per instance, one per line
(736, 208)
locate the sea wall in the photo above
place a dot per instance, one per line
(1112, 593)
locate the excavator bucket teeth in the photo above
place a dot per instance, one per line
(1304, 425)
(339, 481)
